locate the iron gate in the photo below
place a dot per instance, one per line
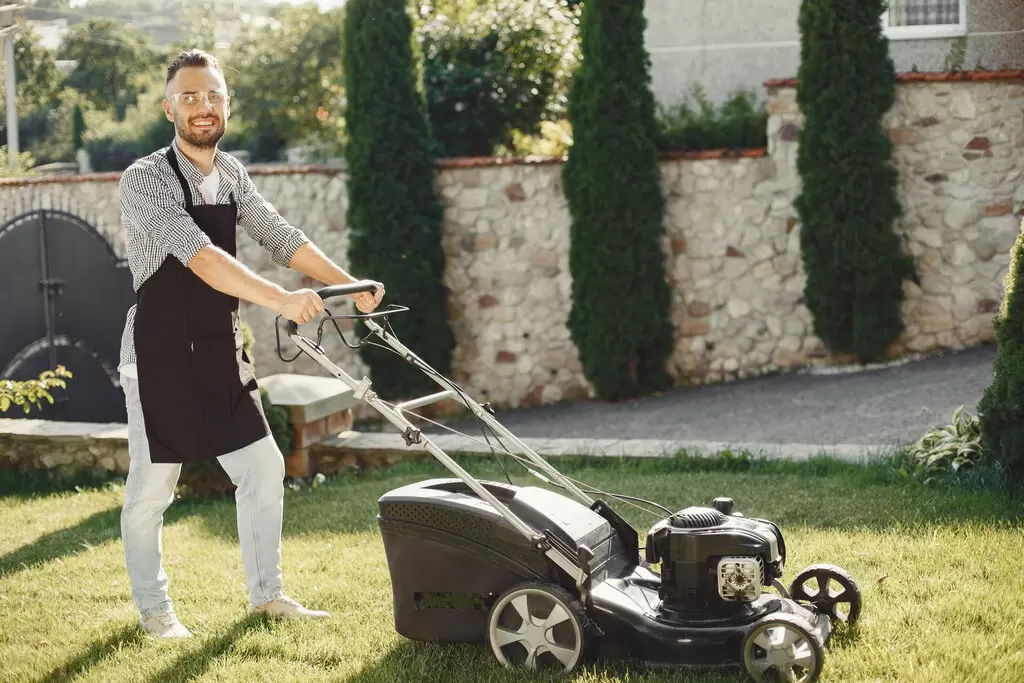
(64, 294)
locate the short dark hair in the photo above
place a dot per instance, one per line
(194, 57)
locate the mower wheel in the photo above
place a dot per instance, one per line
(537, 626)
(783, 644)
(830, 590)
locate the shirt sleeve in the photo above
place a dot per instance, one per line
(148, 203)
(264, 224)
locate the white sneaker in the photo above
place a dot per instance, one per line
(287, 608)
(165, 625)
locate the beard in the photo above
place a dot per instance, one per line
(201, 138)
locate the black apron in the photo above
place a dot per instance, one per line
(197, 386)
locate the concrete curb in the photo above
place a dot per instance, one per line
(383, 442)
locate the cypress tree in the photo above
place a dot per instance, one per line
(620, 319)
(848, 203)
(1001, 409)
(395, 218)
(77, 127)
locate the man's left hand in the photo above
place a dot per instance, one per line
(366, 302)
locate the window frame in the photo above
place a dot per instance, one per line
(923, 32)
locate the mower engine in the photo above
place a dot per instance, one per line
(712, 560)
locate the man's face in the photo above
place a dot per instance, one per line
(197, 102)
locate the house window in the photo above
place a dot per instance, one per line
(915, 19)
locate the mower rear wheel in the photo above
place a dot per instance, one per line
(537, 626)
(780, 647)
(830, 590)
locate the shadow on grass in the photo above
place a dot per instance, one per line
(130, 636)
(97, 529)
(415, 661)
(194, 663)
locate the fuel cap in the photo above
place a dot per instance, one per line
(723, 505)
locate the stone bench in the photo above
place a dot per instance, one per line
(319, 408)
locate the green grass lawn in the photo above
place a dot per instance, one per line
(939, 567)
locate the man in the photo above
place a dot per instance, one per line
(190, 389)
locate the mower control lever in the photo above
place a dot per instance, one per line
(331, 291)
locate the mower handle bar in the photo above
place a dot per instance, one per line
(331, 291)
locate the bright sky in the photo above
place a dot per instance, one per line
(324, 4)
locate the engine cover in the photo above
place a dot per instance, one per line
(714, 561)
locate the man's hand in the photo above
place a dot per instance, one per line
(300, 306)
(367, 301)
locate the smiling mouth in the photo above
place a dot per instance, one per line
(204, 124)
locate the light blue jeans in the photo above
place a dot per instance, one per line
(258, 474)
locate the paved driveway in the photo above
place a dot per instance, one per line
(884, 407)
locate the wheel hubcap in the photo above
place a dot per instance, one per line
(783, 650)
(828, 594)
(533, 629)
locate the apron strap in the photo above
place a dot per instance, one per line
(172, 159)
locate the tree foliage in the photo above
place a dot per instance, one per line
(35, 67)
(111, 58)
(848, 202)
(287, 83)
(395, 219)
(493, 69)
(620, 319)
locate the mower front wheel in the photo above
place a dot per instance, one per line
(537, 626)
(830, 590)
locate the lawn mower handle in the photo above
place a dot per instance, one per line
(331, 291)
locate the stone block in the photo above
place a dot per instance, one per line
(694, 327)
(340, 422)
(297, 464)
(310, 432)
(308, 398)
(998, 209)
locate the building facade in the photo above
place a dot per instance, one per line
(729, 44)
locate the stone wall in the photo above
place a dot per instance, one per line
(960, 152)
(731, 245)
(63, 448)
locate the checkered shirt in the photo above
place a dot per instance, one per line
(924, 12)
(156, 224)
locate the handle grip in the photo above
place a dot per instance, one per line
(332, 291)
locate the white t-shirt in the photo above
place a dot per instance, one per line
(211, 184)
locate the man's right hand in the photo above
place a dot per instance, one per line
(300, 306)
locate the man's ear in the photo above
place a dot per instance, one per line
(167, 110)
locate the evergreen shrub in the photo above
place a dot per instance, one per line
(1001, 409)
(620, 319)
(848, 202)
(395, 219)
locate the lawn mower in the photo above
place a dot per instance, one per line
(551, 580)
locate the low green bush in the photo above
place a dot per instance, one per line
(32, 392)
(947, 448)
(696, 123)
(277, 417)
